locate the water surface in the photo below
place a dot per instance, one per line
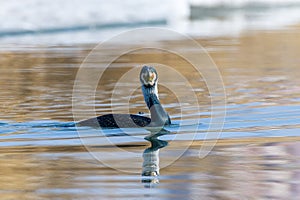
(256, 156)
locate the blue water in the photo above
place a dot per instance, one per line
(242, 121)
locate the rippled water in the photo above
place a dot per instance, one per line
(255, 157)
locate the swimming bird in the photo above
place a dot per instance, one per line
(159, 117)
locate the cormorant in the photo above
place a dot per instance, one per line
(159, 117)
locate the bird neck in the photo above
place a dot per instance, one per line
(150, 95)
(159, 116)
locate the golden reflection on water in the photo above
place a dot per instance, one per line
(265, 63)
(233, 170)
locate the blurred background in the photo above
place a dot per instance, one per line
(91, 21)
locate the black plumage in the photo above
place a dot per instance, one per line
(117, 121)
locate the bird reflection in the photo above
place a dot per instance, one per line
(150, 171)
